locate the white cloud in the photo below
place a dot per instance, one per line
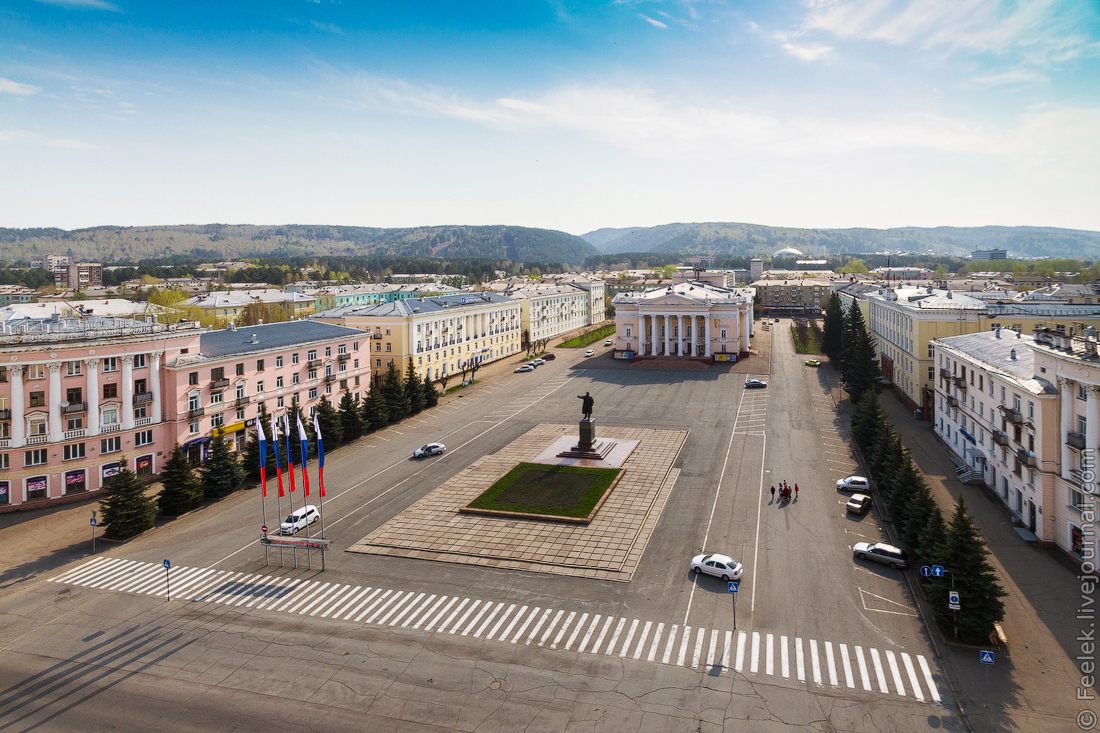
(27, 139)
(7, 86)
(84, 4)
(1013, 77)
(652, 21)
(327, 27)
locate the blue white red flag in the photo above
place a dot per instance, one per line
(320, 455)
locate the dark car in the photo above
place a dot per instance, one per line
(550, 357)
(755, 384)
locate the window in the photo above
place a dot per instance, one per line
(74, 451)
(217, 373)
(378, 363)
(932, 373)
(110, 391)
(295, 379)
(240, 390)
(4, 461)
(930, 351)
(313, 393)
(1030, 409)
(1082, 393)
(75, 422)
(259, 387)
(139, 361)
(110, 445)
(110, 364)
(278, 382)
(1016, 402)
(1002, 395)
(240, 414)
(144, 466)
(1076, 500)
(378, 346)
(279, 402)
(143, 437)
(74, 395)
(37, 457)
(343, 367)
(388, 346)
(311, 355)
(1081, 423)
(140, 412)
(36, 371)
(259, 365)
(355, 362)
(342, 349)
(193, 401)
(240, 370)
(216, 398)
(217, 421)
(278, 361)
(328, 351)
(140, 386)
(343, 384)
(38, 399)
(293, 358)
(3, 374)
(387, 332)
(72, 369)
(355, 346)
(193, 378)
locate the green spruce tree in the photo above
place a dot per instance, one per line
(414, 390)
(180, 490)
(127, 511)
(431, 394)
(932, 538)
(868, 420)
(393, 389)
(833, 330)
(861, 367)
(921, 507)
(332, 430)
(351, 417)
(221, 471)
(376, 414)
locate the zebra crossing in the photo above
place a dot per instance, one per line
(720, 651)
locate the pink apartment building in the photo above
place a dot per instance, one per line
(78, 394)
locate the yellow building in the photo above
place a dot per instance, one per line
(441, 335)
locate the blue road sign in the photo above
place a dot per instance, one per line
(733, 586)
(94, 522)
(167, 564)
(925, 571)
(987, 657)
(937, 571)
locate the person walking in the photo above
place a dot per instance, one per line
(773, 493)
(796, 492)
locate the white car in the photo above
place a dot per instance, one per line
(525, 368)
(537, 362)
(607, 343)
(854, 483)
(720, 566)
(590, 352)
(299, 519)
(431, 449)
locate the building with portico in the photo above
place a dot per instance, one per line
(691, 319)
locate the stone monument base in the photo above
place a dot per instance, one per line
(587, 445)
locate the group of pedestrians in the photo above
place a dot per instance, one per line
(786, 491)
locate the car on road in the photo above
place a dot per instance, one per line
(607, 343)
(881, 552)
(755, 384)
(858, 504)
(720, 566)
(299, 519)
(590, 352)
(525, 368)
(853, 483)
(537, 362)
(431, 449)
(550, 356)
(813, 362)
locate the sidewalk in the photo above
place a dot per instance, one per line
(1033, 684)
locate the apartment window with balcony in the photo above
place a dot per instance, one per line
(36, 371)
(217, 373)
(110, 417)
(140, 412)
(38, 399)
(110, 391)
(139, 361)
(73, 452)
(36, 457)
(73, 369)
(216, 398)
(240, 370)
(278, 362)
(193, 401)
(311, 355)
(110, 364)
(110, 445)
(37, 426)
(193, 378)
(143, 437)
(293, 358)
(76, 422)
(240, 390)
(141, 386)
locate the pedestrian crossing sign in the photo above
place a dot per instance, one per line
(733, 586)
(987, 657)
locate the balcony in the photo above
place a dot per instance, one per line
(143, 397)
(73, 434)
(1000, 437)
(1013, 415)
(219, 383)
(1077, 476)
(1026, 457)
(960, 383)
(945, 373)
(1076, 440)
(197, 412)
(115, 427)
(313, 363)
(5, 442)
(142, 422)
(952, 401)
(329, 378)
(5, 414)
(241, 401)
(37, 439)
(343, 357)
(73, 407)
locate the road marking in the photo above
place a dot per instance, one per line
(576, 630)
(500, 621)
(928, 679)
(878, 672)
(831, 663)
(668, 647)
(419, 610)
(390, 606)
(359, 605)
(535, 631)
(563, 629)
(769, 663)
(406, 610)
(713, 647)
(526, 623)
(469, 611)
(726, 650)
(815, 663)
(434, 621)
(863, 600)
(785, 662)
(847, 666)
(588, 635)
(629, 638)
(908, 662)
(615, 637)
(863, 676)
(893, 662)
(603, 633)
(754, 663)
(336, 599)
(656, 642)
(488, 620)
(642, 639)
(698, 647)
(739, 660)
(512, 624)
(800, 662)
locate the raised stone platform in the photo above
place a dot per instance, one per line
(609, 547)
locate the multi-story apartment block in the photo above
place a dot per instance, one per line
(439, 335)
(79, 394)
(49, 262)
(593, 286)
(996, 410)
(228, 304)
(548, 310)
(78, 275)
(795, 297)
(16, 294)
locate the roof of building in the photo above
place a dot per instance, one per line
(1002, 351)
(237, 298)
(249, 339)
(108, 307)
(532, 290)
(786, 251)
(691, 289)
(409, 306)
(928, 298)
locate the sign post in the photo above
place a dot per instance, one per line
(167, 580)
(93, 531)
(732, 587)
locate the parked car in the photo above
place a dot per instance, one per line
(590, 352)
(607, 343)
(537, 362)
(755, 384)
(813, 362)
(853, 483)
(720, 566)
(858, 504)
(431, 449)
(550, 356)
(881, 552)
(525, 368)
(299, 519)
(777, 320)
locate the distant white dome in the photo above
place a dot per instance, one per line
(788, 252)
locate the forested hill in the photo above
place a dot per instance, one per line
(718, 238)
(229, 241)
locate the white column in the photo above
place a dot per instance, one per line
(653, 334)
(706, 330)
(154, 384)
(1092, 421)
(679, 335)
(18, 419)
(745, 326)
(640, 351)
(93, 396)
(1067, 424)
(53, 399)
(127, 392)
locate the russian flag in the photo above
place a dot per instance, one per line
(289, 454)
(278, 461)
(320, 455)
(263, 455)
(305, 452)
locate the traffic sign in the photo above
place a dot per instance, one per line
(953, 596)
(263, 529)
(926, 571)
(167, 564)
(987, 657)
(937, 571)
(733, 586)
(94, 522)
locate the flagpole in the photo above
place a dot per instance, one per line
(320, 480)
(304, 442)
(279, 473)
(290, 470)
(263, 478)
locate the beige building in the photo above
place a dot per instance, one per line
(440, 335)
(548, 310)
(229, 303)
(803, 296)
(593, 287)
(690, 319)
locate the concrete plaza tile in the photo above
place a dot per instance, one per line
(608, 548)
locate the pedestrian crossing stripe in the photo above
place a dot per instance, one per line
(724, 650)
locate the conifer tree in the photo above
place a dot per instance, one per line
(394, 391)
(252, 447)
(833, 330)
(867, 420)
(351, 417)
(127, 511)
(221, 471)
(964, 557)
(932, 537)
(414, 390)
(181, 491)
(861, 367)
(919, 511)
(376, 414)
(332, 430)
(431, 394)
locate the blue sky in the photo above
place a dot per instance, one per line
(566, 115)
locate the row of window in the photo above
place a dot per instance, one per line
(218, 373)
(75, 451)
(75, 368)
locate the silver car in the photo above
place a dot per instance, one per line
(881, 552)
(854, 483)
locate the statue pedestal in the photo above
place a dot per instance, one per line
(587, 445)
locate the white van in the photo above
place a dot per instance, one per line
(299, 519)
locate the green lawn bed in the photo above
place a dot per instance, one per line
(541, 489)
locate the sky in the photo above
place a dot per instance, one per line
(550, 113)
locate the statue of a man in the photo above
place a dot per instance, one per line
(586, 405)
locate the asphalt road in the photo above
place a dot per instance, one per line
(90, 659)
